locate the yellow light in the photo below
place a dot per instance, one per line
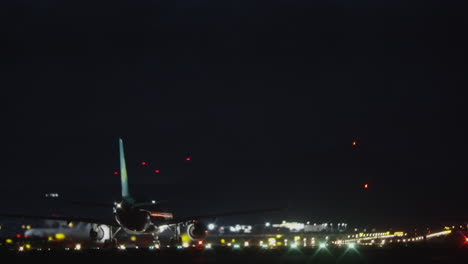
(23, 226)
(279, 243)
(71, 225)
(279, 236)
(28, 227)
(9, 241)
(50, 238)
(27, 246)
(222, 241)
(297, 238)
(60, 236)
(185, 238)
(133, 238)
(233, 240)
(271, 241)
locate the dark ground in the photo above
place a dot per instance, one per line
(252, 255)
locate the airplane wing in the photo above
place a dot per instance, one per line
(214, 216)
(62, 218)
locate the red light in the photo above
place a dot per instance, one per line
(143, 163)
(25, 236)
(116, 173)
(18, 236)
(156, 171)
(54, 215)
(188, 159)
(366, 186)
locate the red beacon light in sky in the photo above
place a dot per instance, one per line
(116, 173)
(157, 171)
(188, 159)
(143, 163)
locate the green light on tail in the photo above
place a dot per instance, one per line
(123, 171)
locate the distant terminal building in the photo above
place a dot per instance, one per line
(284, 226)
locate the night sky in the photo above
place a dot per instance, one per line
(266, 97)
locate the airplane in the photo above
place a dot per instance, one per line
(135, 219)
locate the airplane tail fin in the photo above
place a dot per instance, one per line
(123, 171)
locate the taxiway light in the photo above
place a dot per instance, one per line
(60, 236)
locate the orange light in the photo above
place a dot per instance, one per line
(366, 186)
(165, 215)
(354, 143)
(18, 236)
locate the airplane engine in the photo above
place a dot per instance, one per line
(99, 233)
(196, 231)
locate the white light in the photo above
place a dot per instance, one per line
(122, 247)
(211, 226)
(236, 246)
(21, 248)
(264, 246)
(351, 245)
(267, 224)
(322, 245)
(153, 201)
(185, 244)
(78, 247)
(293, 245)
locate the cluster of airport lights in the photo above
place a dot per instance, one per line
(272, 244)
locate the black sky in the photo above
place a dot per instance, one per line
(265, 96)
